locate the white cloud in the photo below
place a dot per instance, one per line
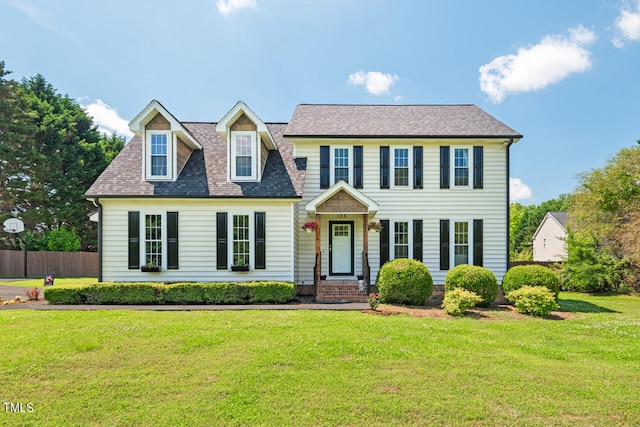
(518, 190)
(107, 119)
(226, 7)
(376, 82)
(535, 67)
(628, 24)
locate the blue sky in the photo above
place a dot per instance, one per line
(565, 74)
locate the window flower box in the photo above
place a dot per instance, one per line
(239, 268)
(150, 268)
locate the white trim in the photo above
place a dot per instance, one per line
(332, 151)
(255, 156)
(171, 148)
(452, 242)
(252, 237)
(143, 240)
(223, 127)
(452, 166)
(392, 237)
(392, 161)
(137, 125)
(372, 206)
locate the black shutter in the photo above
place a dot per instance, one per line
(221, 240)
(478, 160)
(260, 242)
(477, 242)
(357, 166)
(444, 167)
(417, 239)
(134, 240)
(444, 244)
(384, 242)
(417, 167)
(384, 167)
(172, 240)
(324, 166)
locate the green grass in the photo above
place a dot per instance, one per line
(310, 368)
(57, 282)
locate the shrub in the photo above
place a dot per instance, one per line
(404, 281)
(179, 293)
(459, 300)
(535, 300)
(473, 278)
(373, 300)
(530, 275)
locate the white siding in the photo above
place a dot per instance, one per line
(431, 204)
(197, 238)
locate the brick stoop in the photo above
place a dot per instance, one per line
(340, 291)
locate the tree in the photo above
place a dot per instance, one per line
(606, 208)
(50, 153)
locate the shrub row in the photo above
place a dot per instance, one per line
(178, 293)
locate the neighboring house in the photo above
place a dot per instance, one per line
(202, 200)
(549, 239)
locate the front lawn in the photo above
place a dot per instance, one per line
(494, 367)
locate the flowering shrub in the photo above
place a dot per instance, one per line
(459, 300)
(374, 300)
(310, 226)
(535, 300)
(374, 226)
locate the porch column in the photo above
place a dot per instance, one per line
(318, 257)
(365, 234)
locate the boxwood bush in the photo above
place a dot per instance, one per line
(179, 293)
(404, 281)
(535, 300)
(530, 275)
(473, 278)
(459, 300)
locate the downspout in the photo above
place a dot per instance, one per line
(97, 203)
(508, 204)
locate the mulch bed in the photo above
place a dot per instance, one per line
(506, 311)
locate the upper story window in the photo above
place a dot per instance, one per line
(401, 162)
(159, 155)
(244, 155)
(461, 167)
(341, 165)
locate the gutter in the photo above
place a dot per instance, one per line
(97, 203)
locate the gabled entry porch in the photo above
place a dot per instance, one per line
(341, 214)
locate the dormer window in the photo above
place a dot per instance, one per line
(159, 153)
(244, 151)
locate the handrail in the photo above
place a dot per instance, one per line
(366, 271)
(315, 276)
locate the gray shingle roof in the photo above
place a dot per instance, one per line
(395, 121)
(205, 173)
(561, 217)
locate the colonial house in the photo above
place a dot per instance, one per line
(227, 201)
(549, 239)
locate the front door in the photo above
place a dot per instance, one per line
(341, 248)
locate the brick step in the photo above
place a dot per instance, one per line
(342, 291)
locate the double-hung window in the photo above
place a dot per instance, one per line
(153, 239)
(159, 155)
(244, 155)
(341, 165)
(401, 239)
(460, 242)
(461, 167)
(241, 240)
(401, 162)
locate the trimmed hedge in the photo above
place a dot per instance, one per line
(404, 281)
(535, 300)
(473, 278)
(179, 293)
(530, 275)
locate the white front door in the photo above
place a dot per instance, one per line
(341, 248)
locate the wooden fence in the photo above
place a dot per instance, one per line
(62, 264)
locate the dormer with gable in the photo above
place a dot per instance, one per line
(166, 144)
(248, 143)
